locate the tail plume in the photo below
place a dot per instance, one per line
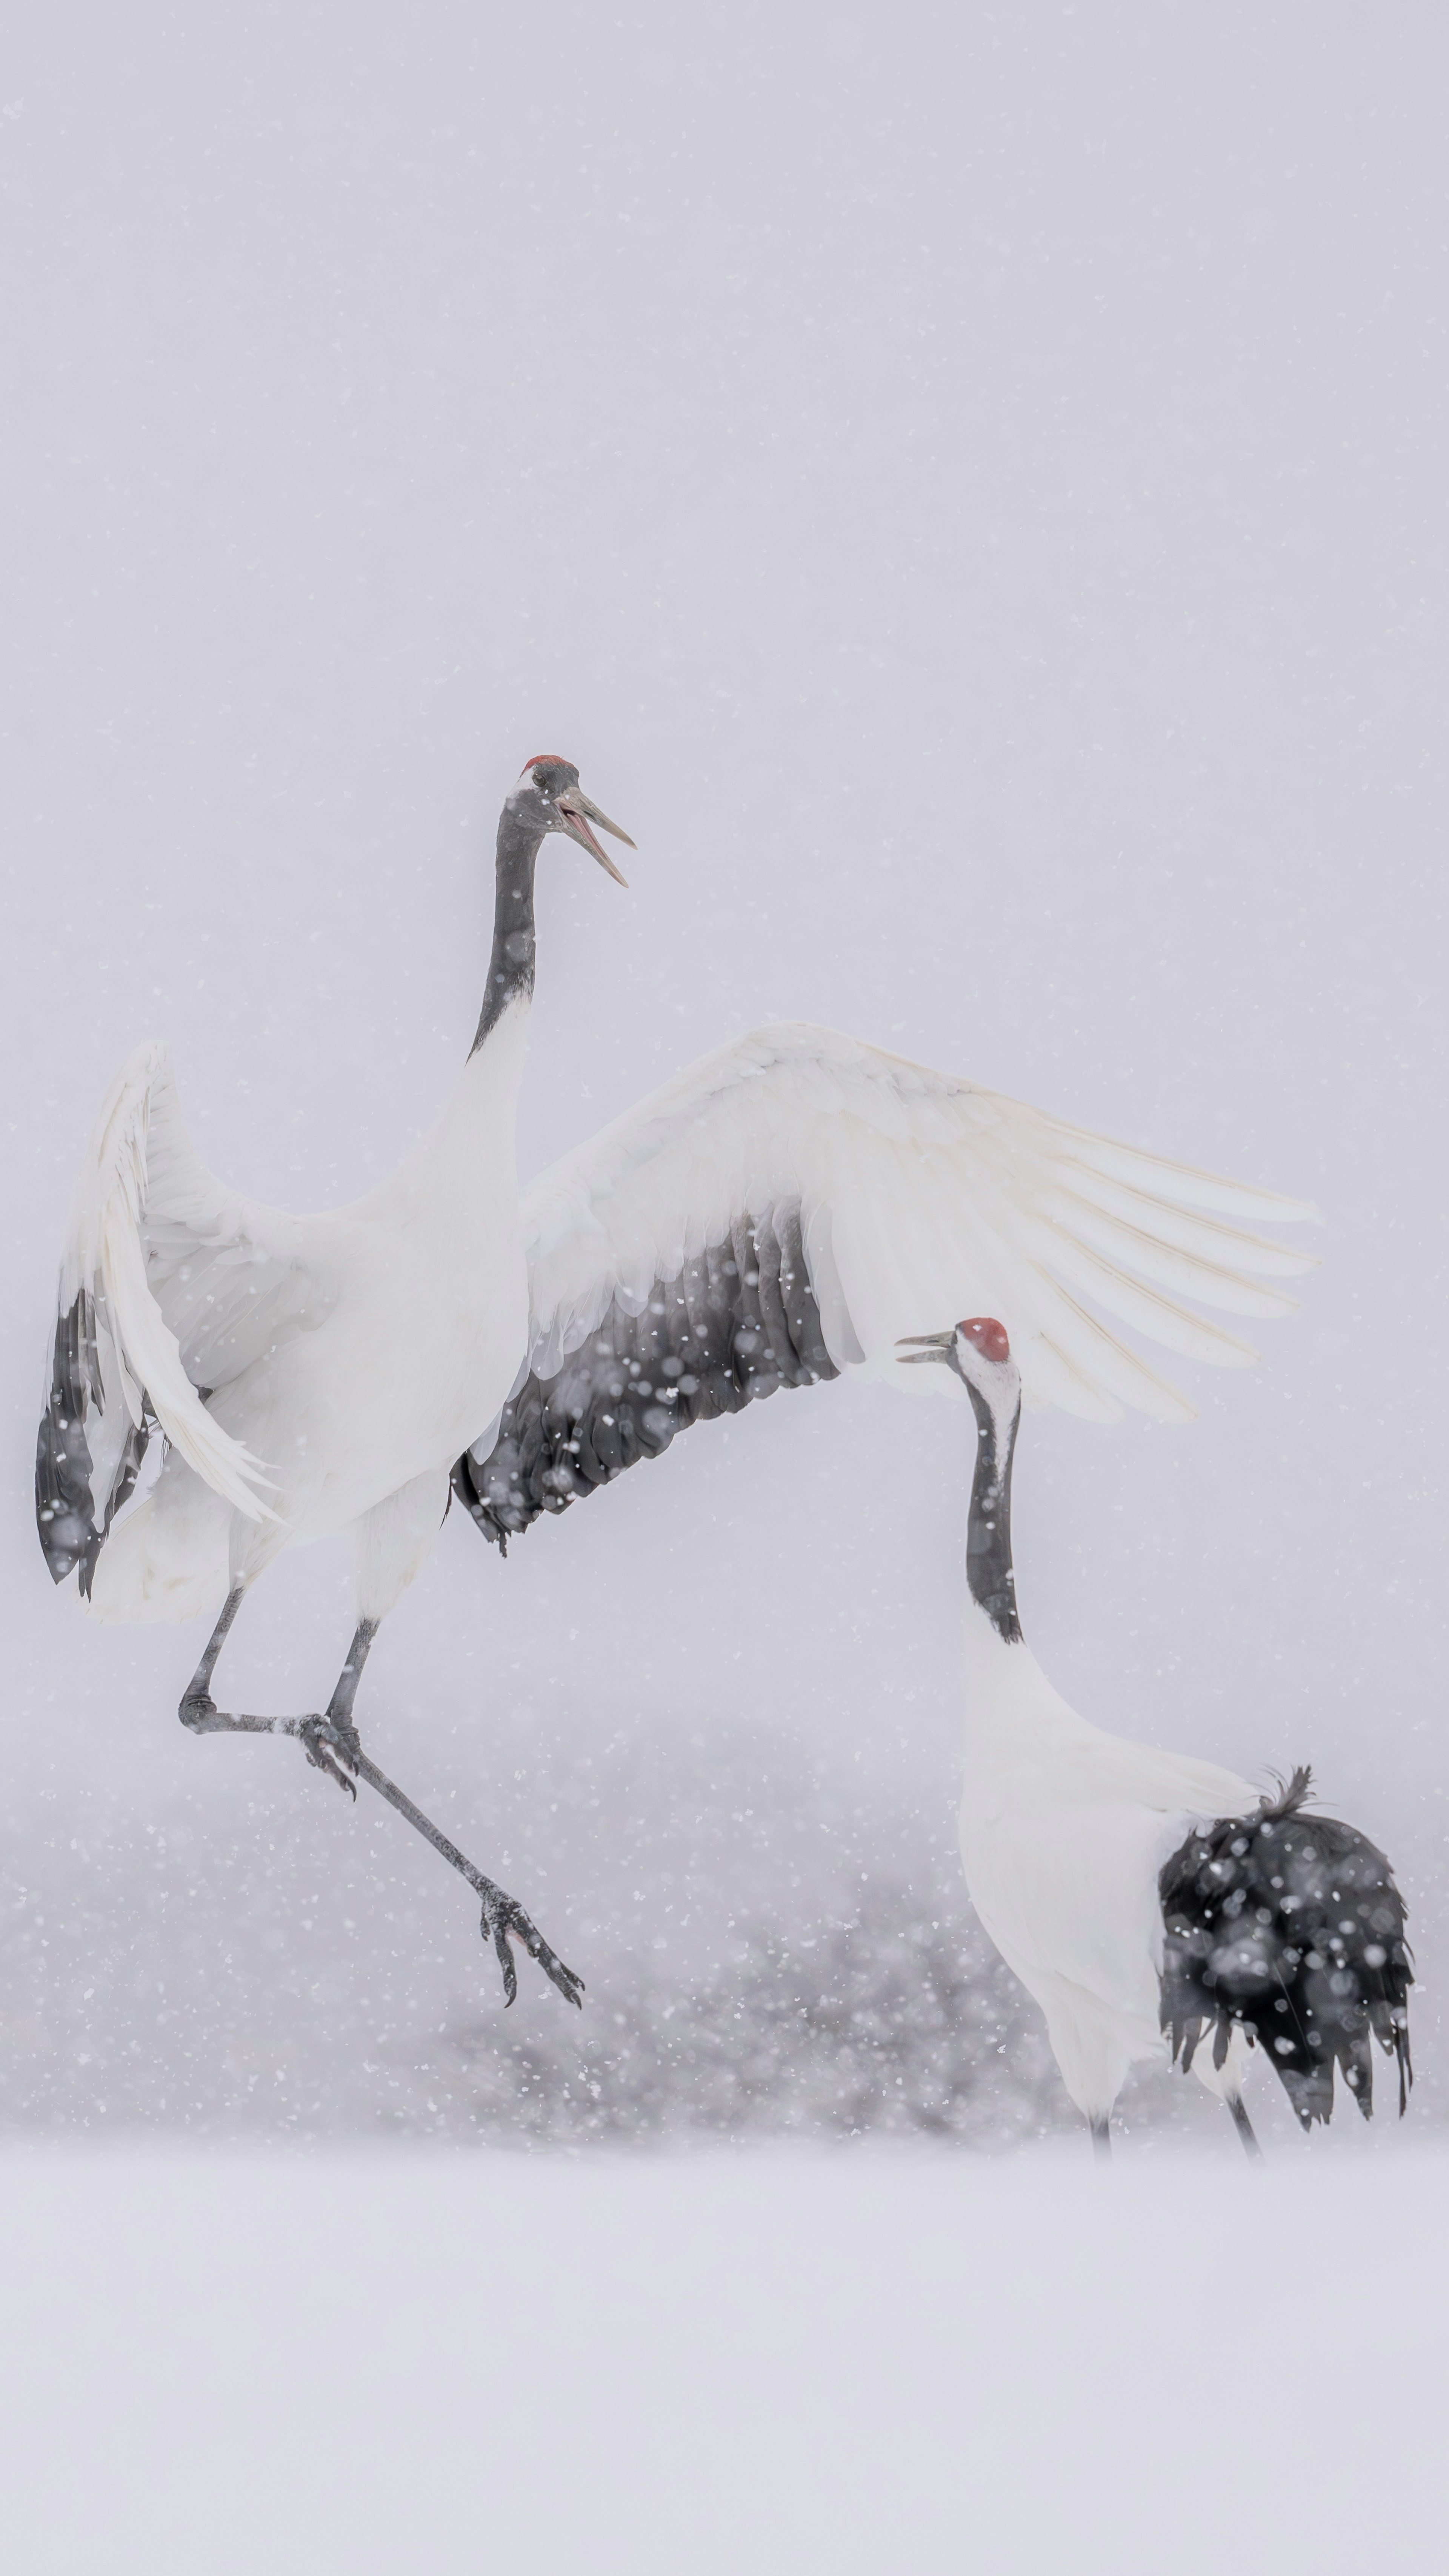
(1291, 1925)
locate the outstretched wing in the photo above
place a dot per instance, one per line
(169, 1285)
(792, 1205)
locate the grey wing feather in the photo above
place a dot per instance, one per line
(736, 1323)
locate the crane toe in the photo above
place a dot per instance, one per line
(505, 1921)
(323, 1742)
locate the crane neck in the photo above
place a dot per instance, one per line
(989, 1573)
(510, 967)
(1013, 1713)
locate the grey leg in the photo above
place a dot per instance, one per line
(199, 1711)
(1102, 2138)
(330, 1742)
(196, 1706)
(1245, 2130)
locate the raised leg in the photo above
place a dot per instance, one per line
(319, 1735)
(331, 1741)
(1102, 2138)
(1245, 2129)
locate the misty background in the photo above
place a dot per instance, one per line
(968, 489)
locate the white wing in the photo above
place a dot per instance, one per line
(1115, 1769)
(170, 1284)
(919, 1198)
(1063, 1863)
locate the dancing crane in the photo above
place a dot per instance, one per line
(777, 1214)
(1138, 1893)
(308, 1374)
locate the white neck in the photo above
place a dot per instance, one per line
(1011, 1707)
(1004, 1682)
(467, 1163)
(482, 1116)
(1015, 1719)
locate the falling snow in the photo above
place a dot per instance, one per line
(967, 488)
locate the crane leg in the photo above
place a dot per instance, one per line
(1245, 2129)
(1102, 2138)
(331, 1742)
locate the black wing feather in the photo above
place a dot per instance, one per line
(1291, 1926)
(71, 1532)
(738, 1322)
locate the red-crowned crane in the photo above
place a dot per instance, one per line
(778, 1213)
(310, 1374)
(1141, 1895)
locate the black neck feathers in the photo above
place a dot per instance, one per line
(988, 1530)
(510, 968)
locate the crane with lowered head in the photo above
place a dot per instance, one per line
(1138, 1893)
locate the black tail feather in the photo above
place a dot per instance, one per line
(1289, 1925)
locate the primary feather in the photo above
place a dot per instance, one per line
(118, 1362)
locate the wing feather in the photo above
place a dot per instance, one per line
(1167, 1224)
(158, 1280)
(1061, 1254)
(922, 1197)
(1178, 1184)
(1134, 1248)
(908, 1198)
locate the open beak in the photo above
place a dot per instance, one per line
(915, 1347)
(576, 812)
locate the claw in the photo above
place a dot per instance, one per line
(495, 1928)
(333, 1745)
(503, 1915)
(317, 1737)
(348, 1743)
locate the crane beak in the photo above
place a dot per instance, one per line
(576, 812)
(913, 1348)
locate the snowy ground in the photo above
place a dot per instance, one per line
(854, 2362)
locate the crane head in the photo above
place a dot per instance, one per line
(549, 786)
(979, 1352)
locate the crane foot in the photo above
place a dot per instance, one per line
(503, 1917)
(333, 1745)
(322, 1740)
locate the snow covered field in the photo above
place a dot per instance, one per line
(854, 2363)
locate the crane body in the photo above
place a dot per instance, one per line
(395, 1339)
(1114, 1878)
(309, 1374)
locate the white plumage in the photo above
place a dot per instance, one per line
(1290, 1931)
(1064, 1830)
(918, 1193)
(347, 1356)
